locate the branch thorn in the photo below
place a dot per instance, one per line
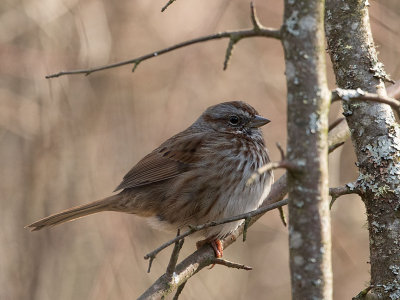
(282, 215)
(150, 263)
(229, 49)
(245, 227)
(166, 5)
(281, 151)
(254, 19)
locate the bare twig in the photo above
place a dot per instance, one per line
(150, 263)
(230, 264)
(179, 291)
(284, 164)
(174, 257)
(232, 41)
(335, 123)
(338, 135)
(334, 147)
(254, 20)
(362, 295)
(282, 215)
(245, 227)
(281, 152)
(166, 5)
(394, 90)
(234, 37)
(216, 223)
(360, 95)
(349, 188)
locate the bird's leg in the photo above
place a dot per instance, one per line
(218, 248)
(216, 244)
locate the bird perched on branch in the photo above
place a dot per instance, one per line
(196, 176)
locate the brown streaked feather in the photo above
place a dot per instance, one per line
(172, 158)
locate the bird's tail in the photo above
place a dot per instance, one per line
(75, 213)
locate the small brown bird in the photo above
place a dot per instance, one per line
(196, 176)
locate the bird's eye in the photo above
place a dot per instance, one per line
(234, 120)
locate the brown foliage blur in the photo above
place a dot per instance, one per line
(68, 141)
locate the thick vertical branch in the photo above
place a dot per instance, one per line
(308, 105)
(375, 136)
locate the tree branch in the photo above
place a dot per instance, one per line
(360, 95)
(234, 36)
(230, 264)
(349, 188)
(194, 229)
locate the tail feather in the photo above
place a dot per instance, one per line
(74, 213)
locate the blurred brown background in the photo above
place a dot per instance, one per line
(70, 140)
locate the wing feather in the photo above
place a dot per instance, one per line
(172, 158)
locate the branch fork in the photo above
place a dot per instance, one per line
(349, 188)
(360, 95)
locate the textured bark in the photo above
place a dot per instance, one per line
(308, 105)
(375, 136)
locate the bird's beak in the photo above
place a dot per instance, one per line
(259, 121)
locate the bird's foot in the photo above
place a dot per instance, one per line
(216, 244)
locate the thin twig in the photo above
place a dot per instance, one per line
(284, 164)
(335, 123)
(232, 41)
(339, 123)
(254, 20)
(282, 153)
(166, 5)
(361, 295)
(150, 263)
(334, 147)
(193, 229)
(360, 95)
(282, 215)
(394, 90)
(349, 188)
(234, 37)
(174, 257)
(230, 264)
(179, 291)
(245, 227)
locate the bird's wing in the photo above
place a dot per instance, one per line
(172, 158)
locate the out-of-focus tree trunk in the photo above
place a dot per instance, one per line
(375, 135)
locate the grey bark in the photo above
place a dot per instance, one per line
(308, 105)
(375, 136)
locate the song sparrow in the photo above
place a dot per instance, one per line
(196, 176)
